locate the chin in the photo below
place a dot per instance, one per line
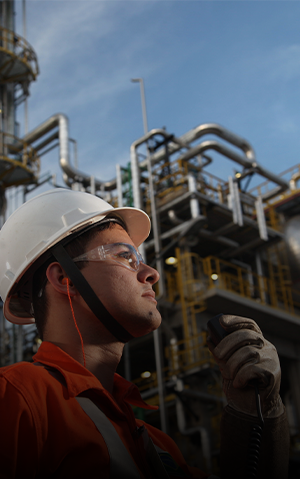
(143, 327)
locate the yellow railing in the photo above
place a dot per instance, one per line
(190, 289)
(267, 185)
(181, 356)
(171, 178)
(189, 284)
(147, 383)
(15, 149)
(248, 284)
(188, 353)
(19, 48)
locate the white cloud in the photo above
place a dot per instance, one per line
(87, 53)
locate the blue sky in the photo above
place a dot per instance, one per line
(236, 63)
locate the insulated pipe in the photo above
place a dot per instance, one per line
(220, 131)
(135, 170)
(294, 180)
(194, 203)
(174, 218)
(224, 150)
(201, 130)
(70, 173)
(206, 129)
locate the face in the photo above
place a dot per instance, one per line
(127, 295)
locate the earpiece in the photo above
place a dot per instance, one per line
(65, 280)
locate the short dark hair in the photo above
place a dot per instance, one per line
(74, 248)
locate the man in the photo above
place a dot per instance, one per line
(69, 262)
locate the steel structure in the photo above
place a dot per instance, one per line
(230, 252)
(219, 247)
(19, 162)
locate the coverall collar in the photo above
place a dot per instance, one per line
(78, 379)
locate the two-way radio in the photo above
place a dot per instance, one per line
(216, 334)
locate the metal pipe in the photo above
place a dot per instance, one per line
(261, 219)
(294, 180)
(93, 186)
(282, 184)
(75, 152)
(52, 147)
(185, 226)
(156, 235)
(138, 203)
(46, 142)
(174, 218)
(259, 270)
(221, 132)
(194, 203)
(24, 19)
(220, 148)
(119, 185)
(135, 166)
(61, 122)
(143, 100)
(160, 382)
(205, 129)
(244, 162)
(234, 202)
(248, 161)
(135, 170)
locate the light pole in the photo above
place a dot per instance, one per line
(143, 100)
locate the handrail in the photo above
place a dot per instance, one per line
(26, 154)
(178, 356)
(291, 174)
(19, 47)
(248, 284)
(247, 159)
(230, 277)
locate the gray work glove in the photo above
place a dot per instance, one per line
(243, 356)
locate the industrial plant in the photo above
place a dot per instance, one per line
(220, 246)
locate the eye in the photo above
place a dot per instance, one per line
(123, 252)
(125, 255)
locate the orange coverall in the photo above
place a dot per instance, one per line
(45, 433)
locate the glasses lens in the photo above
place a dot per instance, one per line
(124, 254)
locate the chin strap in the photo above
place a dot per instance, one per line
(88, 294)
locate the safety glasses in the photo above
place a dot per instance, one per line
(122, 253)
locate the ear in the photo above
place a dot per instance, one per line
(58, 279)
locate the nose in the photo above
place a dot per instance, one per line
(147, 274)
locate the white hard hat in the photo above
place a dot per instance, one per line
(44, 221)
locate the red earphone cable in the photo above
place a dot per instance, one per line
(75, 322)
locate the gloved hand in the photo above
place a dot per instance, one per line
(245, 355)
